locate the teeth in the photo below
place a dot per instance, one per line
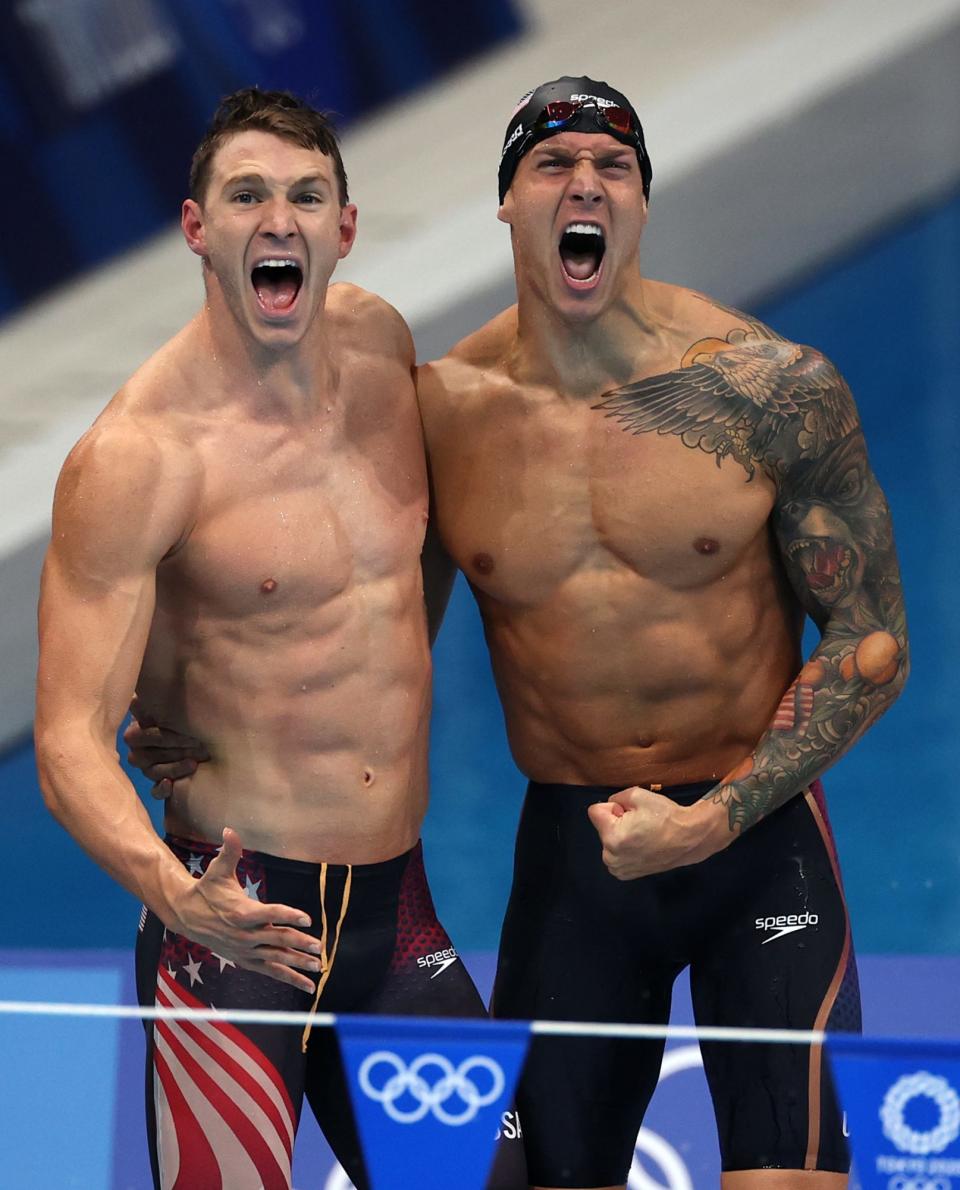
(584, 229)
(276, 264)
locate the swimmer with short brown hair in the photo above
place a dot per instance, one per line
(238, 538)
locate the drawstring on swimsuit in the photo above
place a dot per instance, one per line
(326, 962)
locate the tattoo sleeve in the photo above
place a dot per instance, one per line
(783, 408)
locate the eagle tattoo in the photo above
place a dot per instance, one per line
(764, 404)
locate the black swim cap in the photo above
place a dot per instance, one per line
(530, 123)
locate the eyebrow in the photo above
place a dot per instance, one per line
(257, 179)
(544, 149)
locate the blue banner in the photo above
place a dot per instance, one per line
(902, 1100)
(429, 1095)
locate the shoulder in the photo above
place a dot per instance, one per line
(131, 472)
(704, 325)
(793, 383)
(796, 395)
(491, 343)
(727, 351)
(153, 421)
(797, 377)
(477, 364)
(368, 322)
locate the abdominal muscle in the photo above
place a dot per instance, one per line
(645, 686)
(317, 737)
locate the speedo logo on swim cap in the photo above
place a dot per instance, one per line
(514, 136)
(597, 99)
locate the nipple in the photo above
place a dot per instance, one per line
(268, 586)
(706, 545)
(483, 563)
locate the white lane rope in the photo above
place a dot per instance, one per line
(320, 1019)
(236, 1016)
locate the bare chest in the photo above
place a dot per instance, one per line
(528, 500)
(289, 522)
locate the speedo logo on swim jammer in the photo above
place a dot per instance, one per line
(785, 923)
(440, 959)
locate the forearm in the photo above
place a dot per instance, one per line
(87, 792)
(849, 681)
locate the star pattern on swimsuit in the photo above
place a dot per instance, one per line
(192, 968)
(251, 888)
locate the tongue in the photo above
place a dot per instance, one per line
(579, 265)
(276, 294)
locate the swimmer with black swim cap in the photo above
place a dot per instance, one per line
(571, 105)
(574, 181)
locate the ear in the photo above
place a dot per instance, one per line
(505, 211)
(192, 225)
(348, 229)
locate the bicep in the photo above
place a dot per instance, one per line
(92, 639)
(835, 535)
(111, 528)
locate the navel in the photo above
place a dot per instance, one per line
(368, 776)
(483, 563)
(706, 545)
(268, 586)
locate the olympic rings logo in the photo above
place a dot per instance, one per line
(918, 1183)
(408, 1080)
(910, 1140)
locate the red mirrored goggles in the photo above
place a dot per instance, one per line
(562, 112)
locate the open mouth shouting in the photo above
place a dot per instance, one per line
(582, 246)
(276, 282)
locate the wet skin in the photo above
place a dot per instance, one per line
(238, 539)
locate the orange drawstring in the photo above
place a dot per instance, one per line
(326, 963)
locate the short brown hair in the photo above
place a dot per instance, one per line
(278, 112)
